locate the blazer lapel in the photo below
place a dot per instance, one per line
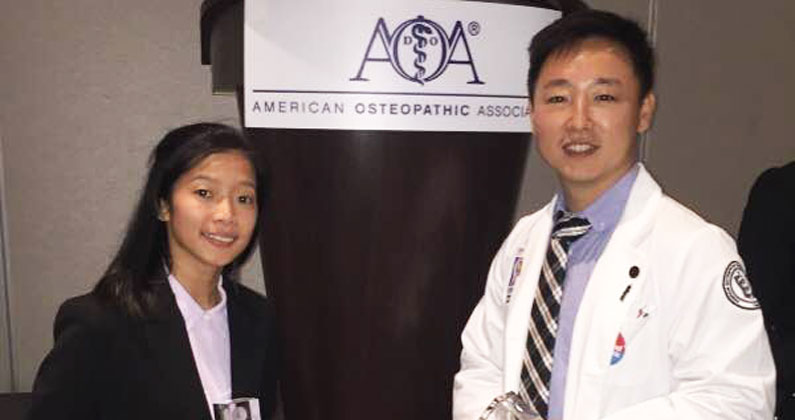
(168, 342)
(246, 345)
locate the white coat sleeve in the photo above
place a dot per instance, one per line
(722, 367)
(480, 378)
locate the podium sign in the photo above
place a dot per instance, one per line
(419, 65)
(395, 134)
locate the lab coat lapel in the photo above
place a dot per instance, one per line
(169, 345)
(603, 311)
(518, 316)
(246, 345)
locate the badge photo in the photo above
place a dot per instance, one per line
(516, 271)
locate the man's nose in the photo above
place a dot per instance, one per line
(580, 114)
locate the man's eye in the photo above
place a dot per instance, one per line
(605, 98)
(555, 99)
(201, 192)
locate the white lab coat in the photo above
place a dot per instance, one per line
(690, 353)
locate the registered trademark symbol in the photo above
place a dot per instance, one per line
(473, 28)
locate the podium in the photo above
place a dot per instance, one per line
(375, 247)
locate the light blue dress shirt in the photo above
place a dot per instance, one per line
(603, 214)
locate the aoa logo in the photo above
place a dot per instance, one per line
(420, 50)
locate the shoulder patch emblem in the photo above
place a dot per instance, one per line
(738, 288)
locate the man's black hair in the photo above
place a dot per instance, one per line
(568, 32)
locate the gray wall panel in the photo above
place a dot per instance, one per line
(725, 88)
(88, 87)
(6, 348)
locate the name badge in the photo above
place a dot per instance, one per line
(237, 409)
(516, 271)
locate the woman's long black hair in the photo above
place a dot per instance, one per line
(131, 278)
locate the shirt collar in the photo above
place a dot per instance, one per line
(604, 213)
(190, 309)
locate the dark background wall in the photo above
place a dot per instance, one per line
(87, 86)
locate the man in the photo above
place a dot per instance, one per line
(768, 247)
(614, 301)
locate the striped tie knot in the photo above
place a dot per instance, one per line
(568, 227)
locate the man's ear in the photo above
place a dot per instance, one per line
(646, 115)
(163, 212)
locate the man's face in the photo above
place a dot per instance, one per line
(586, 113)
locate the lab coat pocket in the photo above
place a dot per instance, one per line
(628, 361)
(636, 320)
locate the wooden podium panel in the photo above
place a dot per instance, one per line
(376, 246)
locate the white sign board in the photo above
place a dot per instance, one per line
(424, 65)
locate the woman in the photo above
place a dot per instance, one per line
(168, 331)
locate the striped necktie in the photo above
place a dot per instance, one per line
(538, 356)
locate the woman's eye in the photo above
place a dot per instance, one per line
(201, 192)
(246, 199)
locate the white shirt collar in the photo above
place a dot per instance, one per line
(190, 309)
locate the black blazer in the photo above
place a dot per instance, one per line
(107, 365)
(767, 245)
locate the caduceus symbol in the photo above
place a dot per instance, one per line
(418, 32)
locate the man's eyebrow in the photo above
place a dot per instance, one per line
(607, 81)
(556, 83)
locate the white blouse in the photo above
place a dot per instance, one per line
(208, 331)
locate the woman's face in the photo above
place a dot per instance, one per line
(212, 214)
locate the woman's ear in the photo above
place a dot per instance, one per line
(163, 212)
